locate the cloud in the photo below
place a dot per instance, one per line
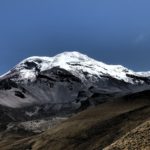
(140, 38)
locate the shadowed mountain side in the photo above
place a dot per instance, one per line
(92, 129)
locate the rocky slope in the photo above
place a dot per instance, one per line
(138, 138)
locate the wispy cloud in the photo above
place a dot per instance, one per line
(140, 38)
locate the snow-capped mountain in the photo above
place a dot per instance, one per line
(65, 82)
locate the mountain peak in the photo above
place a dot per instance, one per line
(65, 78)
(73, 54)
(75, 62)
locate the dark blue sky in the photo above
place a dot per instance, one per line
(113, 31)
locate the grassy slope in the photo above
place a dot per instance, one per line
(92, 129)
(139, 138)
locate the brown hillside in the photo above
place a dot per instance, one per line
(139, 138)
(92, 129)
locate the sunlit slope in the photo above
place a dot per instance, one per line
(139, 138)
